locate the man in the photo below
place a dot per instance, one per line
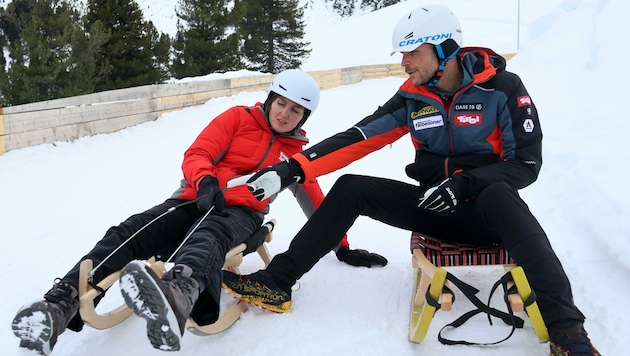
(478, 141)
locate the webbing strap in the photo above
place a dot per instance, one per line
(470, 291)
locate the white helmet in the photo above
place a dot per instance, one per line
(297, 86)
(427, 24)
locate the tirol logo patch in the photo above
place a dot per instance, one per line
(524, 101)
(428, 122)
(468, 119)
(469, 107)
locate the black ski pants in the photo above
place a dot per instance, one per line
(204, 251)
(498, 214)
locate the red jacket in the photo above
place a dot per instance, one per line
(239, 142)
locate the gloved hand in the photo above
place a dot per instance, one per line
(270, 180)
(360, 258)
(442, 198)
(209, 193)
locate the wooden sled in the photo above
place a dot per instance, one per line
(429, 255)
(234, 257)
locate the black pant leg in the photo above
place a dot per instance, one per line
(389, 201)
(160, 237)
(506, 213)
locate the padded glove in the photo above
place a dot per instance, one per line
(360, 258)
(209, 193)
(443, 198)
(270, 180)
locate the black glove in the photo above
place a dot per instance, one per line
(209, 194)
(270, 180)
(443, 198)
(360, 258)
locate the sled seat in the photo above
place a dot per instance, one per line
(429, 252)
(430, 255)
(234, 257)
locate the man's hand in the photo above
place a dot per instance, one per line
(360, 258)
(443, 198)
(270, 180)
(209, 193)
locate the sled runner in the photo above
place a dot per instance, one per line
(432, 289)
(88, 291)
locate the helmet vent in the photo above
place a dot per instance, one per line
(283, 88)
(410, 35)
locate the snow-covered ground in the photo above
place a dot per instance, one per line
(57, 200)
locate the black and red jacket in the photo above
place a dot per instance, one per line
(487, 130)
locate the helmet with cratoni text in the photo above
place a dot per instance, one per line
(435, 24)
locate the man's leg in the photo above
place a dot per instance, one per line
(507, 214)
(389, 201)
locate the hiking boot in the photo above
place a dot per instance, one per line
(258, 288)
(568, 337)
(40, 323)
(165, 303)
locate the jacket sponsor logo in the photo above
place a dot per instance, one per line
(283, 157)
(421, 40)
(469, 107)
(428, 122)
(427, 110)
(528, 125)
(524, 101)
(468, 119)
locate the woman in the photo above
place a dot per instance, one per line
(202, 216)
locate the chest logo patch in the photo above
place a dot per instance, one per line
(469, 107)
(468, 119)
(428, 122)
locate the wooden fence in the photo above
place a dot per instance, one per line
(70, 118)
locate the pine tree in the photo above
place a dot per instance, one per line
(207, 40)
(128, 57)
(347, 7)
(51, 55)
(273, 31)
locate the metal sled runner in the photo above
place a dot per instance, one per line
(104, 320)
(432, 291)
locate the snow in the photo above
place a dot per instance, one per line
(58, 200)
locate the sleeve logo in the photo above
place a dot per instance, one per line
(524, 101)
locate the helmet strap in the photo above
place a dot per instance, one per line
(444, 51)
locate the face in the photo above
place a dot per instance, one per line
(420, 64)
(285, 115)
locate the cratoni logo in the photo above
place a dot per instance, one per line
(424, 111)
(436, 37)
(468, 120)
(428, 122)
